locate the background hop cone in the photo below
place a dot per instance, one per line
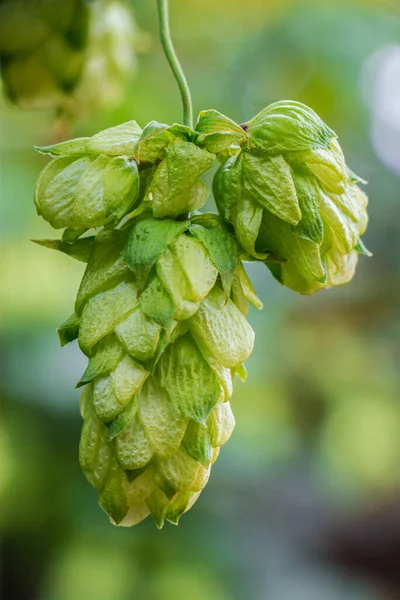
(58, 53)
(292, 200)
(42, 49)
(110, 55)
(160, 314)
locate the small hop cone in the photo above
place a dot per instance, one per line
(292, 200)
(164, 339)
(172, 161)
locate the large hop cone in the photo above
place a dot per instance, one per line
(292, 201)
(160, 314)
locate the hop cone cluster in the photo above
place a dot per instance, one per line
(161, 309)
(58, 53)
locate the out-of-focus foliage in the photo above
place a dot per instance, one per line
(317, 434)
(42, 49)
(67, 55)
(110, 59)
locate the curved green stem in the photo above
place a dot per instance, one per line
(166, 41)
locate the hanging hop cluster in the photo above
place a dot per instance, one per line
(58, 53)
(161, 309)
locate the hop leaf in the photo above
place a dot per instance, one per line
(115, 141)
(221, 246)
(269, 181)
(79, 249)
(221, 328)
(175, 187)
(147, 240)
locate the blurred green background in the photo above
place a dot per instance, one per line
(303, 503)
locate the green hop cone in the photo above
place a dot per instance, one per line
(160, 313)
(291, 199)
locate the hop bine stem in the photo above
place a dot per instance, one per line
(166, 41)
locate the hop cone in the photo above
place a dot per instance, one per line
(110, 56)
(160, 313)
(291, 199)
(163, 341)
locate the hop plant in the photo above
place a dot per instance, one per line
(161, 309)
(58, 53)
(291, 198)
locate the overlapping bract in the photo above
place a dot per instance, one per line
(154, 315)
(59, 53)
(292, 200)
